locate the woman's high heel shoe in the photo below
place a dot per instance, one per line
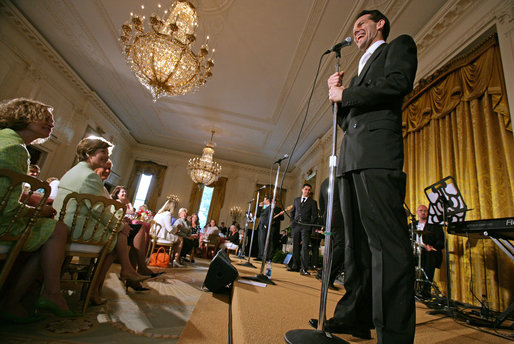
(43, 303)
(134, 285)
(177, 264)
(134, 280)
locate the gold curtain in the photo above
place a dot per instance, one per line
(218, 198)
(457, 123)
(154, 191)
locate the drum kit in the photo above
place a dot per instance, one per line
(423, 286)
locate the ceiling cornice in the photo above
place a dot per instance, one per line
(10, 12)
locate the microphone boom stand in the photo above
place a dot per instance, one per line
(248, 219)
(318, 335)
(253, 232)
(262, 277)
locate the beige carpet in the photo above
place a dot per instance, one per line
(176, 310)
(157, 316)
(266, 314)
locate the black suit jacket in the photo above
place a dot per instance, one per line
(370, 111)
(306, 213)
(433, 235)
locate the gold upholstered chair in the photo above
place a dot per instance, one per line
(158, 240)
(13, 237)
(94, 222)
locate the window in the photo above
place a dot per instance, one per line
(205, 205)
(142, 190)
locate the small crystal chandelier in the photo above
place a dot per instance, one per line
(204, 170)
(162, 58)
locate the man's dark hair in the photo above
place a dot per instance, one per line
(307, 184)
(376, 15)
(267, 197)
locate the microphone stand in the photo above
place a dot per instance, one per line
(248, 219)
(318, 335)
(262, 277)
(253, 232)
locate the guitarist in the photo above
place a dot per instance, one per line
(263, 213)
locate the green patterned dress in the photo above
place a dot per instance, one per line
(14, 156)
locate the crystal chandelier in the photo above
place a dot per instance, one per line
(162, 57)
(204, 170)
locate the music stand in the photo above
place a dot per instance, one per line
(446, 206)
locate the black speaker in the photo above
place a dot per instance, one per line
(221, 273)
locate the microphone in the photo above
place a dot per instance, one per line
(282, 158)
(261, 188)
(347, 42)
(253, 199)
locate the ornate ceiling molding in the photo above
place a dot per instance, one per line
(13, 15)
(440, 23)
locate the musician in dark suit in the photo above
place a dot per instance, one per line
(379, 271)
(431, 241)
(304, 211)
(263, 213)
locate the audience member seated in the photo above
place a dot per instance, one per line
(232, 242)
(137, 239)
(54, 183)
(196, 230)
(34, 171)
(120, 193)
(223, 229)
(93, 152)
(186, 238)
(163, 217)
(209, 230)
(22, 122)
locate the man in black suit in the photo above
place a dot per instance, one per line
(305, 211)
(431, 241)
(263, 213)
(379, 271)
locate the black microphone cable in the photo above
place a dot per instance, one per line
(298, 137)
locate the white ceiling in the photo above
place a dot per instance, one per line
(266, 57)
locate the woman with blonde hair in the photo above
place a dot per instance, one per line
(22, 122)
(186, 238)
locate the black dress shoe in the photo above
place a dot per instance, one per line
(333, 325)
(304, 273)
(293, 269)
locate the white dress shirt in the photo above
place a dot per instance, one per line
(368, 53)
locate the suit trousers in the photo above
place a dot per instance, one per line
(337, 253)
(379, 271)
(301, 239)
(263, 232)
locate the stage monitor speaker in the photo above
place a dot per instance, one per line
(221, 273)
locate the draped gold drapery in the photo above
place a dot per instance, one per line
(155, 189)
(457, 123)
(218, 198)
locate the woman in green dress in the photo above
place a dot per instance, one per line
(24, 121)
(93, 152)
